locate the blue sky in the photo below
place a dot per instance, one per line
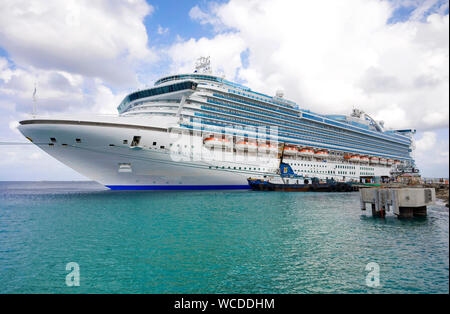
(389, 58)
(174, 15)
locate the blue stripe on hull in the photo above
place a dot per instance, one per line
(178, 187)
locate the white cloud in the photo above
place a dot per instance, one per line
(224, 50)
(426, 142)
(432, 153)
(56, 90)
(423, 8)
(330, 56)
(203, 17)
(13, 126)
(162, 30)
(198, 14)
(92, 38)
(393, 115)
(104, 101)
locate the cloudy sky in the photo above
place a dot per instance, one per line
(388, 57)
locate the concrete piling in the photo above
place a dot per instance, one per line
(404, 203)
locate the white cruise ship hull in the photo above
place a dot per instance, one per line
(101, 149)
(150, 166)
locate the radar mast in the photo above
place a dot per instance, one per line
(203, 65)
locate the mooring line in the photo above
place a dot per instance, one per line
(15, 143)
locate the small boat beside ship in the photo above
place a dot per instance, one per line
(288, 181)
(285, 179)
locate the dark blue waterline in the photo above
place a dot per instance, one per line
(178, 187)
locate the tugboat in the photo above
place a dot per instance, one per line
(286, 180)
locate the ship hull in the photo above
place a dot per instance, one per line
(152, 167)
(102, 150)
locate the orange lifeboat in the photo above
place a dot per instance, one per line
(374, 160)
(390, 162)
(397, 162)
(214, 142)
(321, 154)
(290, 150)
(364, 159)
(306, 152)
(267, 148)
(250, 146)
(354, 158)
(383, 161)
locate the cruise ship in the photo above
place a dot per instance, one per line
(200, 131)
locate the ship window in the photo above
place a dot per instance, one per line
(136, 140)
(51, 144)
(162, 147)
(125, 141)
(53, 139)
(112, 145)
(78, 140)
(154, 143)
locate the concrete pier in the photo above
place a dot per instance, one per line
(404, 202)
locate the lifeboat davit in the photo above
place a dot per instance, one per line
(321, 154)
(354, 158)
(250, 146)
(383, 161)
(214, 142)
(290, 150)
(364, 159)
(374, 160)
(306, 152)
(267, 148)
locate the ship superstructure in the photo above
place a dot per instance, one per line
(199, 130)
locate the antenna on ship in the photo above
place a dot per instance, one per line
(203, 65)
(34, 101)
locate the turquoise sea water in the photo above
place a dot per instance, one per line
(211, 242)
